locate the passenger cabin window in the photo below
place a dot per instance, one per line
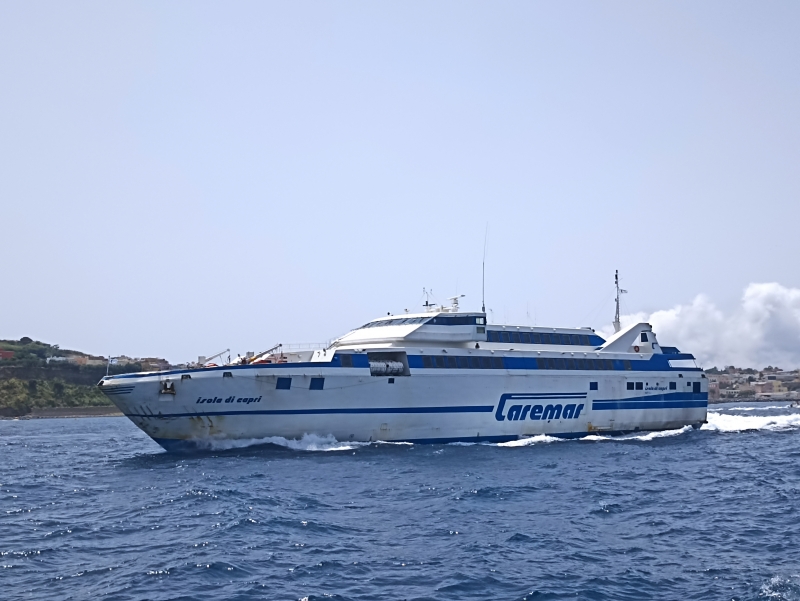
(536, 338)
(494, 362)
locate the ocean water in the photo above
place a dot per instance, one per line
(92, 509)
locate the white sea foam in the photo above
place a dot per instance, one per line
(722, 422)
(781, 588)
(525, 442)
(757, 408)
(644, 437)
(309, 442)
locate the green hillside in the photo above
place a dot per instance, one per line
(28, 381)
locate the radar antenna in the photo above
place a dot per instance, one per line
(617, 326)
(454, 301)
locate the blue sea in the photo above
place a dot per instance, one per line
(93, 509)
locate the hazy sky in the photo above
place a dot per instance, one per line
(181, 177)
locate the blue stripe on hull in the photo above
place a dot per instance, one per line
(648, 405)
(368, 410)
(672, 400)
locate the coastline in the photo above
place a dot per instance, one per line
(62, 412)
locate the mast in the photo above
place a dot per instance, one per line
(483, 270)
(617, 326)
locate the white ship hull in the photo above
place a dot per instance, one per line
(189, 408)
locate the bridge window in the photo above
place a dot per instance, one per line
(585, 340)
(537, 338)
(456, 320)
(526, 338)
(515, 337)
(283, 384)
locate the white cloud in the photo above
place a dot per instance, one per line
(764, 330)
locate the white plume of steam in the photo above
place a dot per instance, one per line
(764, 330)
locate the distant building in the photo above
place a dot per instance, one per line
(713, 389)
(6, 354)
(154, 364)
(768, 388)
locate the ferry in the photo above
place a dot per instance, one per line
(441, 375)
